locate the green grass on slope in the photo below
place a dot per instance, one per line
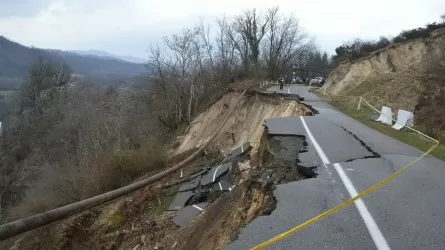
(364, 116)
(166, 200)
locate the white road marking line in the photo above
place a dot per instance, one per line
(181, 173)
(316, 145)
(220, 186)
(242, 149)
(374, 231)
(200, 209)
(214, 173)
(288, 90)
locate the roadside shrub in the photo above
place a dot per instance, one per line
(360, 48)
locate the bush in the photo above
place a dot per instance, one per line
(360, 48)
(126, 165)
(421, 32)
(64, 149)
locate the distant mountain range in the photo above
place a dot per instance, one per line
(15, 60)
(103, 54)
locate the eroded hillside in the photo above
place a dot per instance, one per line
(246, 124)
(408, 75)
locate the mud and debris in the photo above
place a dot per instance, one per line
(221, 221)
(289, 142)
(251, 195)
(206, 186)
(277, 158)
(239, 152)
(312, 109)
(280, 165)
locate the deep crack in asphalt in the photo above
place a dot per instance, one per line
(374, 153)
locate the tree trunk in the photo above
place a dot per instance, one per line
(196, 104)
(190, 103)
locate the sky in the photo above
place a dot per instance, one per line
(128, 27)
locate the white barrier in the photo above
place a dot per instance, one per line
(385, 116)
(404, 118)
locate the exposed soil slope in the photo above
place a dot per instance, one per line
(409, 75)
(246, 122)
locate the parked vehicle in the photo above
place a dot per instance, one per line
(320, 80)
(317, 81)
(296, 80)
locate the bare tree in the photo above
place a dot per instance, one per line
(286, 44)
(157, 69)
(225, 46)
(246, 31)
(203, 31)
(180, 63)
(43, 76)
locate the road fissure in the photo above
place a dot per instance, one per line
(371, 225)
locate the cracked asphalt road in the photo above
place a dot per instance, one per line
(409, 212)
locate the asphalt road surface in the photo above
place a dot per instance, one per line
(408, 213)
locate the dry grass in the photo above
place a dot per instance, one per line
(122, 168)
(126, 165)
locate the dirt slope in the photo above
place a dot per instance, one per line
(409, 75)
(246, 122)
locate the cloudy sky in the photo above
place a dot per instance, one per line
(127, 27)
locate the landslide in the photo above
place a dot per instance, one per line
(408, 75)
(140, 220)
(246, 122)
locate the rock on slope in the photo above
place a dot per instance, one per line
(408, 75)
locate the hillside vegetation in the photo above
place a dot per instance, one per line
(359, 48)
(409, 75)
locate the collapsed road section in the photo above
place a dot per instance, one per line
(204, 186)
(300, 201)
(216, 209)
(212, 206)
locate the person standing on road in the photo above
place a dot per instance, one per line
(281, 80)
